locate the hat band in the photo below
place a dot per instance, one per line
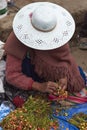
(43, 30)
(3, 11)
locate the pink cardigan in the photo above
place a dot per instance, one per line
(14, 74)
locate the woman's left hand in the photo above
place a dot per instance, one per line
(63, 83)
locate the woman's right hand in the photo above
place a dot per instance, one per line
(46, 87)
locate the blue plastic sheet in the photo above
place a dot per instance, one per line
(70, 112)
(4, 111)
(64, 125)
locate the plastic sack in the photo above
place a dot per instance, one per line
(2, 76)
(2, 51)
(3, 8)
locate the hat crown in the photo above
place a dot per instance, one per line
(44, 19)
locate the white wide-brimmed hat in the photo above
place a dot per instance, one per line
(43, 25)
(3, 8)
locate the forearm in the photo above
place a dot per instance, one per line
(20, 81)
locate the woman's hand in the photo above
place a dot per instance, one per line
(46, 87)
(63, 83)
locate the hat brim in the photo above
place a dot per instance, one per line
(36, 39)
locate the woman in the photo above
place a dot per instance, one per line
(38, 54)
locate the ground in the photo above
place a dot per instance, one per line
(77, 8)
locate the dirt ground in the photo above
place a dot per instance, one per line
(78, 9)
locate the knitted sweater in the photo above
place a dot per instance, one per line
(51, 65)
(14, 74)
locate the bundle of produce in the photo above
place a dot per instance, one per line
(79, 120)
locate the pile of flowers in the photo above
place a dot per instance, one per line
(35, 114)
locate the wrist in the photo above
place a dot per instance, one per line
(35, 86)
